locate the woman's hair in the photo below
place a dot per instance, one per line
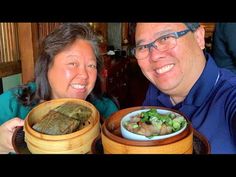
(62, 37)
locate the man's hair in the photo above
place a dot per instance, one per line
(192, 26)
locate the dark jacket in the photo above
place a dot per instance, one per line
(224, 45)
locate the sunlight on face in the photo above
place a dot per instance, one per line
(74, 71)
(176, 69)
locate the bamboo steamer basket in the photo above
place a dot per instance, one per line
(114, 143)
(78, 142)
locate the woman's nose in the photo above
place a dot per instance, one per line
(82, 73)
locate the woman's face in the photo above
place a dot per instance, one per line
(74, 71)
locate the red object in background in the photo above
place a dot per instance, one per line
(103, 48)
(104, 73)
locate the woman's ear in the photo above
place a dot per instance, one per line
(199, 35)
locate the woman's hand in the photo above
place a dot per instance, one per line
(6, 131)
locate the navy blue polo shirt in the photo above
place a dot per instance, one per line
(210, 106)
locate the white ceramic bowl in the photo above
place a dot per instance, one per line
(133, 136)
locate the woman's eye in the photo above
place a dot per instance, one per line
(72, 64)
(92, 66)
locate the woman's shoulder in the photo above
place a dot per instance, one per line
(11, 96)
(105, 105)
(8, 94)
(103, 101)
(12, 106)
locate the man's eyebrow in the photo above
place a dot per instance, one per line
(157, 35)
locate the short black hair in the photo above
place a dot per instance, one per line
(192, 26)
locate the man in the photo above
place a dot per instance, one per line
(185, 78)
(224, 45)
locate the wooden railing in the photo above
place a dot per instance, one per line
(44, 29)
(9, 50)
(19, 44)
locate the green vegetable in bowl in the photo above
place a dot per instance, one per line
(151, 123)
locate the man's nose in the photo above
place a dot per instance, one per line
(154, 53)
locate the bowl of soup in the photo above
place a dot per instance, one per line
(116, 138)
(152, 124)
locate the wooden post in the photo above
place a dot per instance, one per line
(27, 33)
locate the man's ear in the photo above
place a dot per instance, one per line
(199, 35)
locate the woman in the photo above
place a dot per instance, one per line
(68, 67)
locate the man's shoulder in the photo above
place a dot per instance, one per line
(228, 77)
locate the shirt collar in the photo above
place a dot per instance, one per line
(205, 84)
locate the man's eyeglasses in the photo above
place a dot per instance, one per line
(163, 43)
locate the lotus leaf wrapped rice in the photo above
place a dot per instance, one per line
(75, 111)
(55, 123)
(64, 119)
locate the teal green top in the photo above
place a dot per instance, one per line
(11, 107)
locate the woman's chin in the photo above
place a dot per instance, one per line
(78, 96)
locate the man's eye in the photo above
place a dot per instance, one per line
(164, 38)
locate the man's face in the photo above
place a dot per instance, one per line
(174, 70)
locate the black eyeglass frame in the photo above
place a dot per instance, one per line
(176, 35)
